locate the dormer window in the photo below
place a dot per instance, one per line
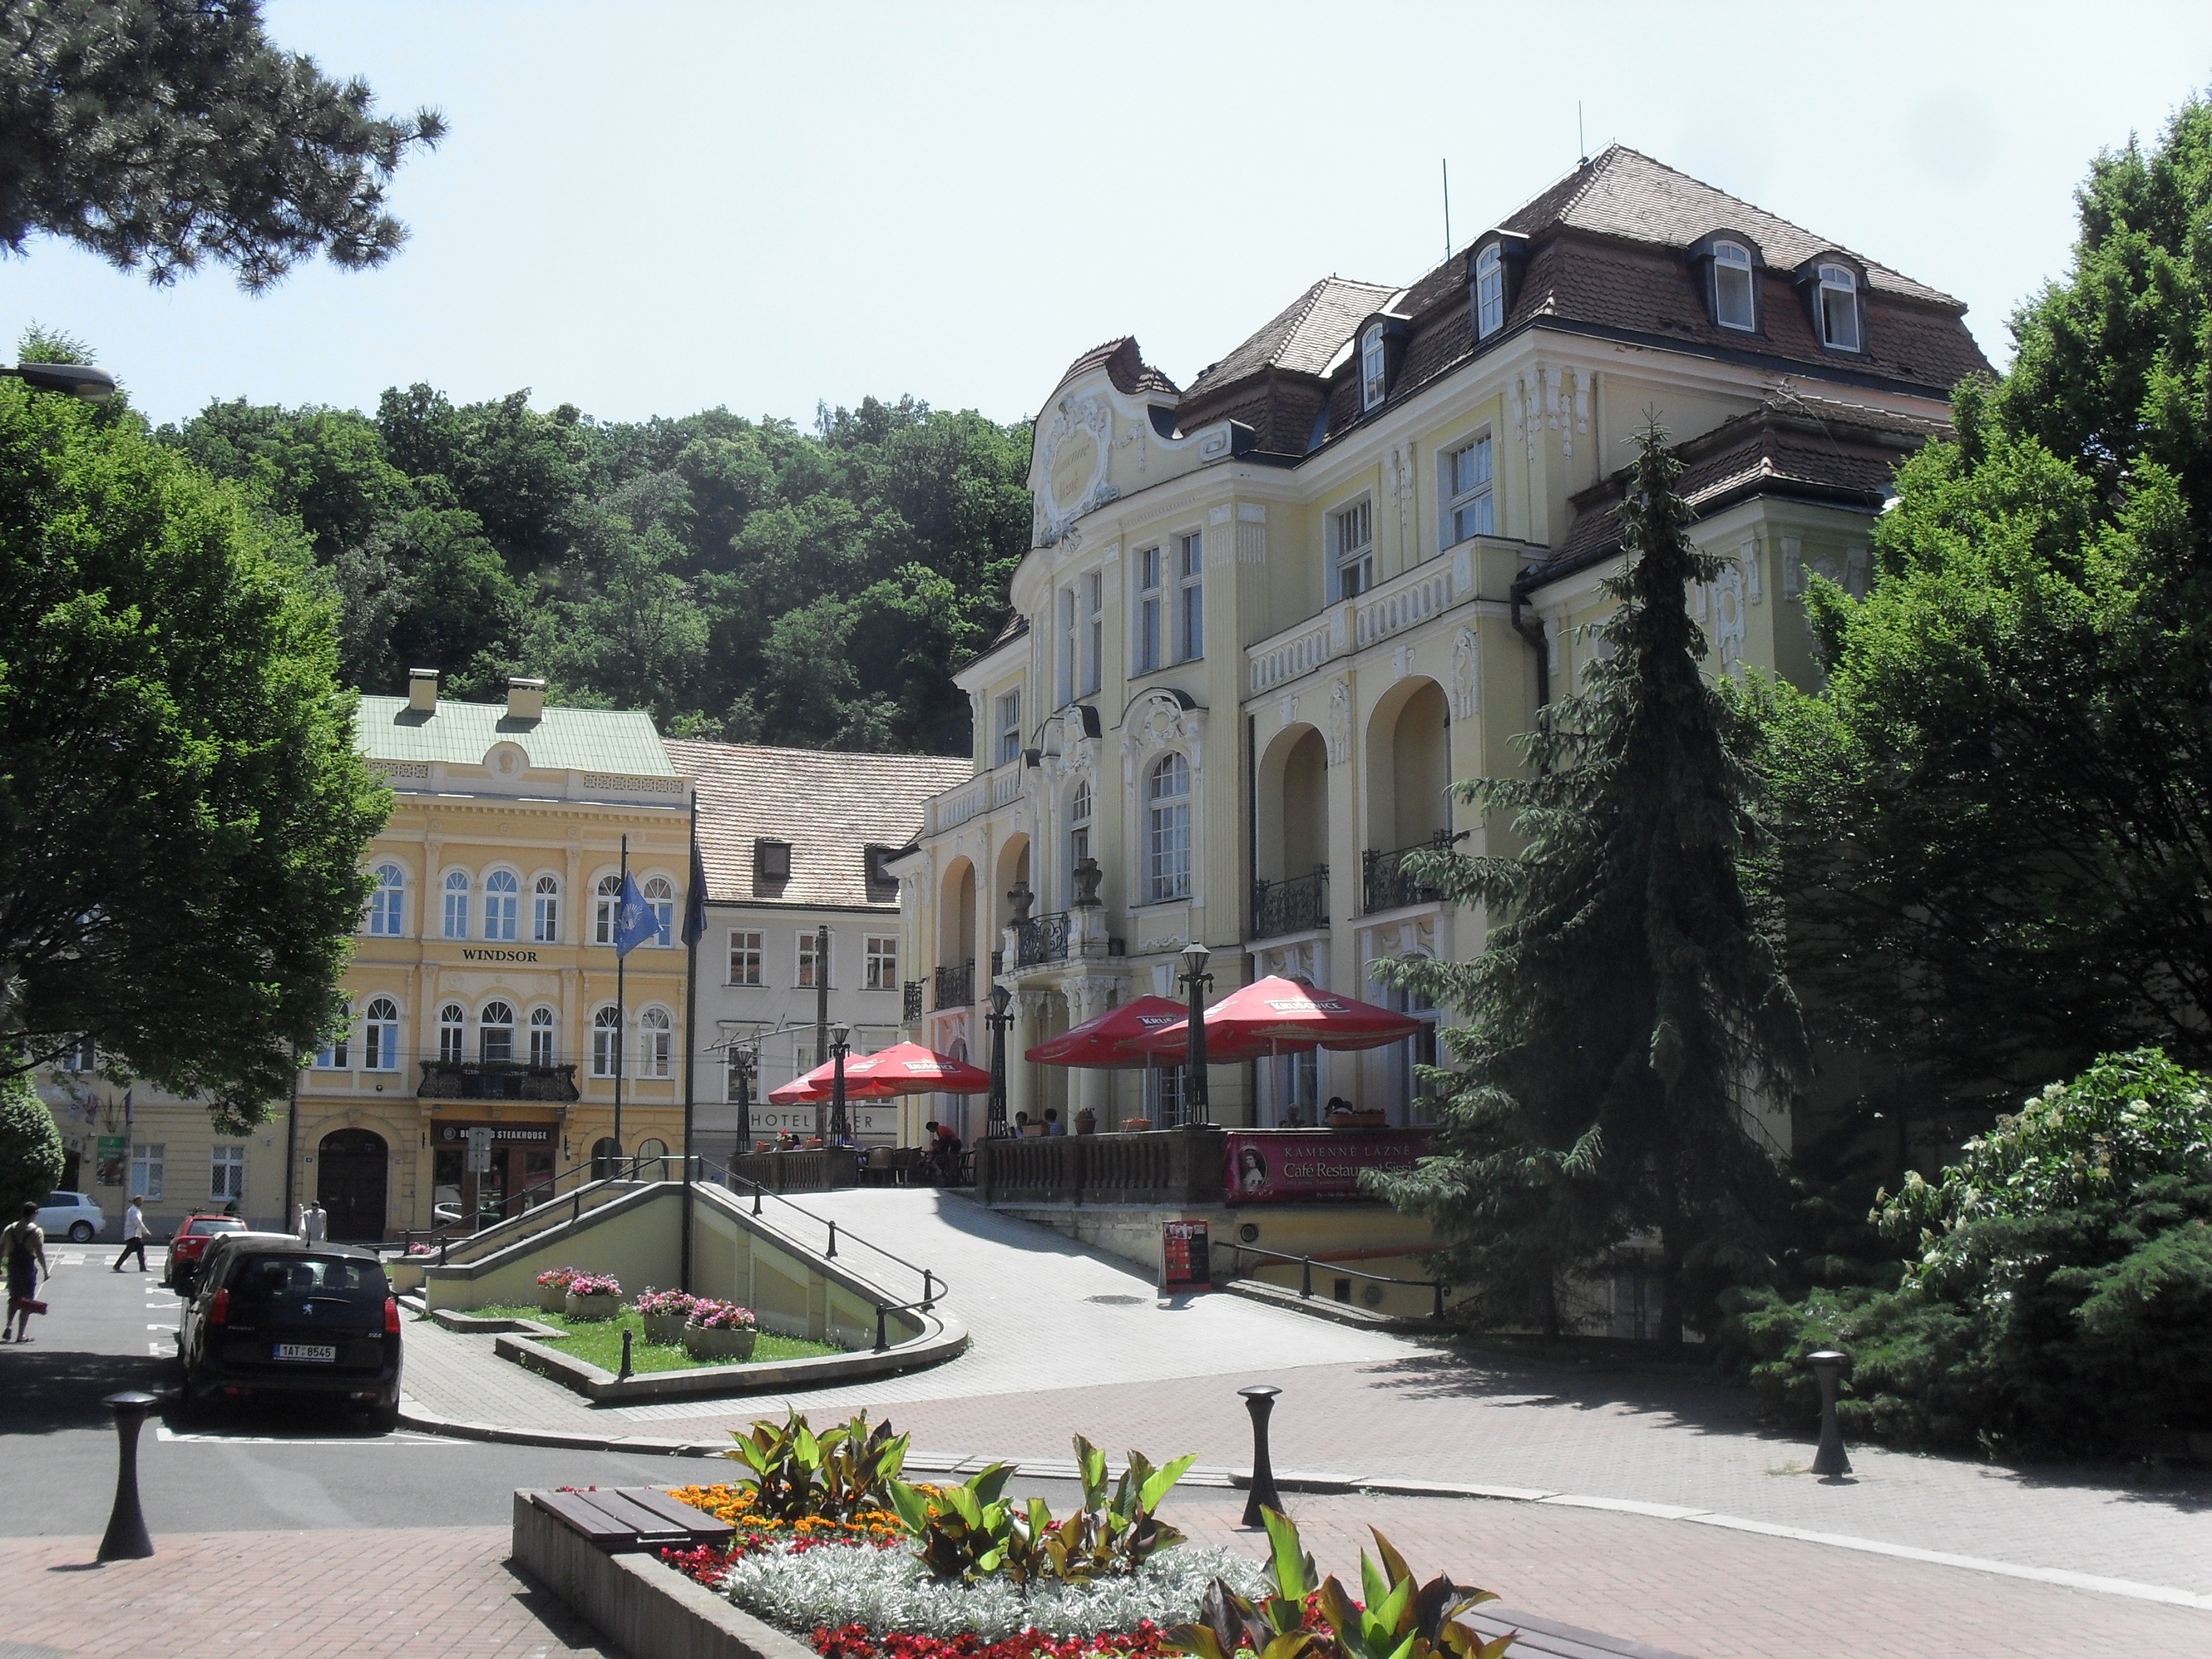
(883, 886)
(1732, 293)
(771, 862)
(1489, 292)
(1373, 378)
(1836, 300)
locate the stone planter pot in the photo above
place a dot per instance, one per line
(1086, 1122)
(553, 1298)
(593, 1306)
(733, 1345)
(664, 1328)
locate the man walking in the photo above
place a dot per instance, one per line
(23, 1248)
(135, 1234)
(315, 1223)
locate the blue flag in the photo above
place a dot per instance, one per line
(634, 922)
(695, 906)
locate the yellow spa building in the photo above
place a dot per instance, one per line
(483, 988)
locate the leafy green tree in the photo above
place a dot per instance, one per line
(159, 135)
(182, 814)
(2057, 1292)
(30, 1155)
(1996, 817)
(1630, 988)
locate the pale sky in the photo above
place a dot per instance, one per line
(655, 208)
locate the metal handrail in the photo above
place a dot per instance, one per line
(933, 1286)
(622, 1169)
(1306, 1263)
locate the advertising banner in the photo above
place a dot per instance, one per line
(1186, 1258)
(1269, 1166)
(112, 1162)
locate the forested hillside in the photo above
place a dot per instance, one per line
(743, 580)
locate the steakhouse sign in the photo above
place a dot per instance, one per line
(1267, 1166)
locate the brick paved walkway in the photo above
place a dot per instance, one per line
(430, 1593)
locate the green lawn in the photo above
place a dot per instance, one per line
(599, 1342)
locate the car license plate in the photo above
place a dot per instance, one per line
(313, 1353)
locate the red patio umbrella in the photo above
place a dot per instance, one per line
(1109, 1043)
(1273, 1016)
(904, 1068)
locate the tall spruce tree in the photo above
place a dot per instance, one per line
(1630, 992)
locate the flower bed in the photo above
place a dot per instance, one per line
(598, 1341)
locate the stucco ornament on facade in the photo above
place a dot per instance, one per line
(1467, 662)
(1068, 494)
(1727, 617)
(1158, 722)
(1340, 722)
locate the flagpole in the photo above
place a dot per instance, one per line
(621, 1008)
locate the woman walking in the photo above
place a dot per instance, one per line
(23, 1246)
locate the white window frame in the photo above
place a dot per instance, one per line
(656, 1043)
(149, 1167)
(225, 1173)
(1007, 706)
(802, 965)
(453, 1034)
(1352, 563)
(1167, 829)
(1831, 278)
(1374, 361)
(334, 1054)
(545, 911)
(882, 962)
(387, 904)
(455, 917)
(497, 1015)
(502, 905)
(606, 1042)
(1190, 597)
(606, 899)
(1732, 260)
(379, 1035)
(1489, 292)
(1150, 569)
(1482, 494)
(744, 956)
(1080, 805)
(82, 1055)
(659, 894)
(1091, 609)
(543, 1047)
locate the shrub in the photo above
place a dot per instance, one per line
(2060, 1300)
(31, 1158)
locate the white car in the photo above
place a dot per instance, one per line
(72, 1216)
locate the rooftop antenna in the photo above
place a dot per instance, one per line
(1445, 164)
(1582, 144)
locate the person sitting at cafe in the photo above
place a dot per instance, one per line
(1337, 1103)
(1053, 1126)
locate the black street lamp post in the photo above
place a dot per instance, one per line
(94, 385)
(1196, 980)
(997, 1019)
(744, 1059)
(840, 1043)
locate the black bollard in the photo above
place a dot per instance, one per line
(1831, 1463)
(126, 1539)
(626, 1372)
(883, 1338)
(1260, 1401)
(833, 1238)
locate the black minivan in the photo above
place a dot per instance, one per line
(272, 1316)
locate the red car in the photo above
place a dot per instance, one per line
(190, 1244)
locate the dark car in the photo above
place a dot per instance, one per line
(190, 1244)
(271, 1315)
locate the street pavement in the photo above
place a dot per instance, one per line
(1647, 1506)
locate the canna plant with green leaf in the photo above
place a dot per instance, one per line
(833, 1475)
(967, 1532)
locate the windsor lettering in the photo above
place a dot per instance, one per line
(498, 956)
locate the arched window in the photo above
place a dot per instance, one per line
(385, 903)
(453, 1034)
(1732, 297)
(1838, 298)
(656, 1044)
(1489, 292)
(603, 1158)
(496, 1033)
(1167, 829)
(541, 1037)
(660, 896)
(1372, 381)
(379, 1035)
(652, 1160)
(606, 899)
(606, 1042)
(502, 897)
(546, 911)
(456, 905)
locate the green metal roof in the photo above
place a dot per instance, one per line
(461, 733)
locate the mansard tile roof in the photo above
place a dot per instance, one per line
(1301, 338)
(1126, 368)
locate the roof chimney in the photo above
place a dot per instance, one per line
(422, 689)
(525, 699)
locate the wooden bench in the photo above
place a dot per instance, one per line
(616, 1519)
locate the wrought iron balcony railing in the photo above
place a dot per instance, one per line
(1041, 939)
(1387, 885)
(1296, 906)
(496, 1080)
(956, 986)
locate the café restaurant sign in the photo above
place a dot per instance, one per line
(1269, 1166)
